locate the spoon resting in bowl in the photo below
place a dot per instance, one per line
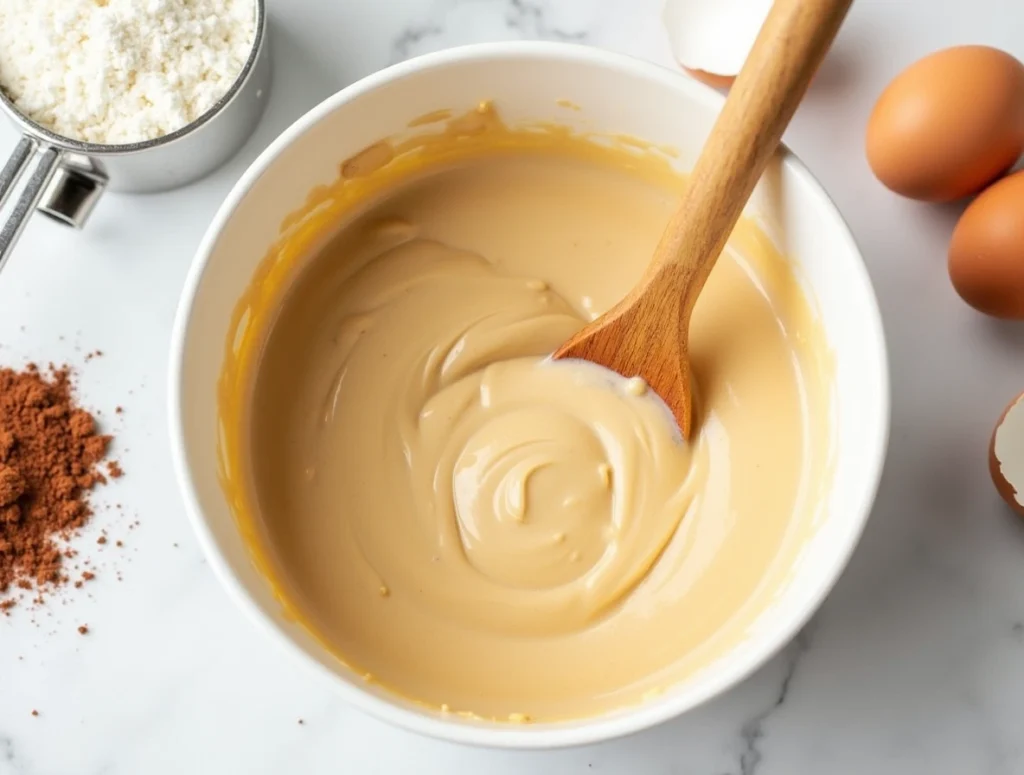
(647, 333)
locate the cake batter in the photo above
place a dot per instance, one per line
(487, 531)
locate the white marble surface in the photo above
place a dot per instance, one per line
(914, 665)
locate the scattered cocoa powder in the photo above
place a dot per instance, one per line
(49, 453)
(12, 485)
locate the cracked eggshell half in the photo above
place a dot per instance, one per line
(1006, 455)
(711, 38)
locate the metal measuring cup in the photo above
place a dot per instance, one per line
(70, 176)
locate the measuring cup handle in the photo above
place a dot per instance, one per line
(46, 166)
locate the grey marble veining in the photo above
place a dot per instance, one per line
(443, 23)
(914, 665)
(485, 21)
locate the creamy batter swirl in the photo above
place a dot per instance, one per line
(510, 458)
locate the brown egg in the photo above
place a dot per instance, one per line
(986, 254)
(948, 124)
(1006, 455)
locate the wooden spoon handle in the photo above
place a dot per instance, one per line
(763, 99)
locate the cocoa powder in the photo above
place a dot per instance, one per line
(49, 452)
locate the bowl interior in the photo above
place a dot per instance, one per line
(526, 81)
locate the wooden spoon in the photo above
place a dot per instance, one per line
(646, 334)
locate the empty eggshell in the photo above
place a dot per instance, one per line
(949, 124)
(1006, 455)
(717, 81)
(986, 252)
(711, 38)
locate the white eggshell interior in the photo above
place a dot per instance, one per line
(1009, 448)
(713, 35)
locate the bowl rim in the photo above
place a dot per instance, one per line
(586, 730)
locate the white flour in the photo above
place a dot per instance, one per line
(121, 71)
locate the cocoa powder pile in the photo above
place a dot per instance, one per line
(49, 452)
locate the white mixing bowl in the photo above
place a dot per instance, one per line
(617, 95)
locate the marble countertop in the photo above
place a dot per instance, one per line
(915, 664)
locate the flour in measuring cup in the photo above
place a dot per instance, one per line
(121, 71)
